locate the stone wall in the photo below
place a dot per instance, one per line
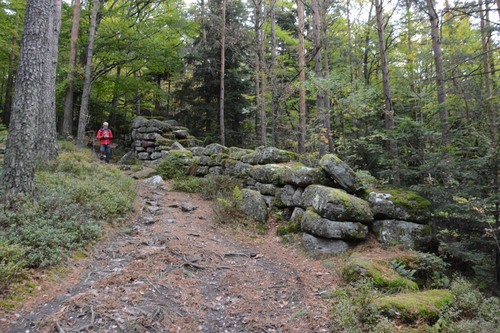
(152, 139)
(327, 202)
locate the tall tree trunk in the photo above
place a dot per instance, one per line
(318, 69)
(326, 75)
(349, 46)
(388, 107)
(302, 79)
(440, 80)
(222, 73)
(260, 116)
(486, 61)
(68, 102)
(274, 88)
(20, 155)
(409, 46)
(46, 147)
(366, 52)
(7, 110)
(84, 112)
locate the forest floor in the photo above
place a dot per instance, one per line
(171, 269)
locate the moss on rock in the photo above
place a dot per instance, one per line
(410, 307)
(381, 272)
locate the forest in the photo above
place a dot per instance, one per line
(406, 92)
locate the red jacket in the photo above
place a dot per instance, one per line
(105, 135)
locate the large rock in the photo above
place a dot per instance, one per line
(275, 155)
(423, 306)
(215, 148)
(399, 204)
(341, 172)
(380, 272)
(139, 122)
(253, 205)
(314, 224)
(291, 195)
(324, 245)
(394, 232)
(336, 204)
(236, 153)
(292, 174)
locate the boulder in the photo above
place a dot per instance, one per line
(380, 272)
(423, 306)
(215, 148)
(266, 189)
(394, 232)
(177, 146)
(274, 155)
(292, 174)
(340, 172)
(139, 122)
(291, 195)
(336, 204)
(314, 224)
(253, 204)
(197, 151)
(236, 153)
(144, 173)
(399, 204)
(324, 245)
(297, 215)
(181, 134)
(161, 125)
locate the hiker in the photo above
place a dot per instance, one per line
(105, 135)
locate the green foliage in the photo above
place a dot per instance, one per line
(188, 184)
(171, 167)
(218, 186)
(12, 263)
(71, 203)
(471, 311)
(352, 311)
(427, 269)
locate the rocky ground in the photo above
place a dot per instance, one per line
(172, 270)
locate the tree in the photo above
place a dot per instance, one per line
(84, 112)
(439, 66)
(20, 155)
(68, 101)
(222, 73)
(388, 106)
(47, 140)
(302, 78)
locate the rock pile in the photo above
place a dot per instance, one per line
(328, 202)
(152, 139)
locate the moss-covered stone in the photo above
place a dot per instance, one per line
(217, 159)
(321, 227)
(181, 154)
(397, 203)
(381, 272)
(236, 153)
(410, 307)
(336, 204)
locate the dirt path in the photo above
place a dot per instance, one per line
(172, 270)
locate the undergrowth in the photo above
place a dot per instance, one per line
(470, 311)
(74, 198)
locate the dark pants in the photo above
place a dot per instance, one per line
(106, 152)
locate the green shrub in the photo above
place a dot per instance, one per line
(68, 209)
(171, 167)
(12, 263)
(188, 184)
(217, 186)
(426, 269)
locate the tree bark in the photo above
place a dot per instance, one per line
(318, 69)
(46, 147)
(222, 73)
(302, 79)
(440, 79)
(274, 88)
(366, 74)
(388, 107)
(84, 112)
(20, 155)
(68, 102)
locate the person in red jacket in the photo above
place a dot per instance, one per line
(105, 135)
